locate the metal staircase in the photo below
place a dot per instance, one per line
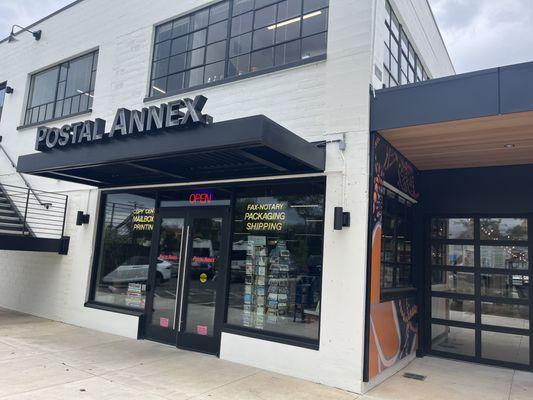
(11, 222)
(32, 220)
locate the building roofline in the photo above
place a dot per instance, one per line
(46, 17)
(440, 34)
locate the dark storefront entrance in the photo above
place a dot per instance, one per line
(191, 260)
(187, 308)
(479, 279)
(461, 147)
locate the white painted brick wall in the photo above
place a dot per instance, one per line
(315, 101)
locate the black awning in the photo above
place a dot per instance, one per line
(241, 148)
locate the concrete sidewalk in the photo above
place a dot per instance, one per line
(43, 359)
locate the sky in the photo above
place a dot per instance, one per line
(478, 33)
(486, 33)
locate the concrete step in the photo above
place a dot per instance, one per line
(5, 205)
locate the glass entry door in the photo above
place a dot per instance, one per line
(479, 273)
(187, 274)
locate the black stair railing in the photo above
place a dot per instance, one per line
(30, 212)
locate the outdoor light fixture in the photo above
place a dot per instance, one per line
(82, 218)
(340, 219)
(36, 34)
(9, 89)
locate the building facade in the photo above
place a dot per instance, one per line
(226, 247)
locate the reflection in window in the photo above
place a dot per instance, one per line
(276, 262)
(206, 236)
(452, 228)
(457, 255)
(235, 38)
(506, 257)
(122, 268)
(503, 228)
(507, 315)
(396, 240)
(451, 339)
(452, 282)
(453, 309)
(499, 285)
(505, 347)
(401, 63)
(62, 90)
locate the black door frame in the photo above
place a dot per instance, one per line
(476, 297)
(151, 332)
(209, 344)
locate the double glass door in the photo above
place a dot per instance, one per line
(479, 271)
(185, 294)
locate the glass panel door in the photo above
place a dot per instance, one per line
(187, 274)
(203, 285)
(201, 300)
(162, 304)
(479, 277)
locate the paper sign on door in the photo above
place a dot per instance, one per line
(163, 322)
(201, 330)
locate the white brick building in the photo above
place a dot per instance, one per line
(326, 101)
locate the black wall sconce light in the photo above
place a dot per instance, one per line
(9, 90)
(82, 218)
(341, 219)
(36, 34)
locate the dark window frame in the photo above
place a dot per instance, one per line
(262, 333)
(3, 86)
(292, 340)
(478, 326)
(413, 60)
(161, 92)
(388, 293)
(29, 110)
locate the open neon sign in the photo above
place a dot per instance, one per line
(202, 197)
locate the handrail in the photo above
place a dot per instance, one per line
(33, 220)
(44, 204)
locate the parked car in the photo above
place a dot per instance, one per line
(135, 269)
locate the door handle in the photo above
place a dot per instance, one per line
(183, 277)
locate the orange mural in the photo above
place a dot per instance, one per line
(393, 332)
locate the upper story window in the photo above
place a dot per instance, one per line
(2, 95)
(234, 38)
(62, 90)
(401, 63)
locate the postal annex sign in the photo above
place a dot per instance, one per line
(177, 113)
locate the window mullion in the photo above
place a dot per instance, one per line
(228, 39)
(57, 88)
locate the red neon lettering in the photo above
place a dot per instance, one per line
(202, 198)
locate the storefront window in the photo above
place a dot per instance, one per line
(276, 262)
(396, 239)
(126, 237)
